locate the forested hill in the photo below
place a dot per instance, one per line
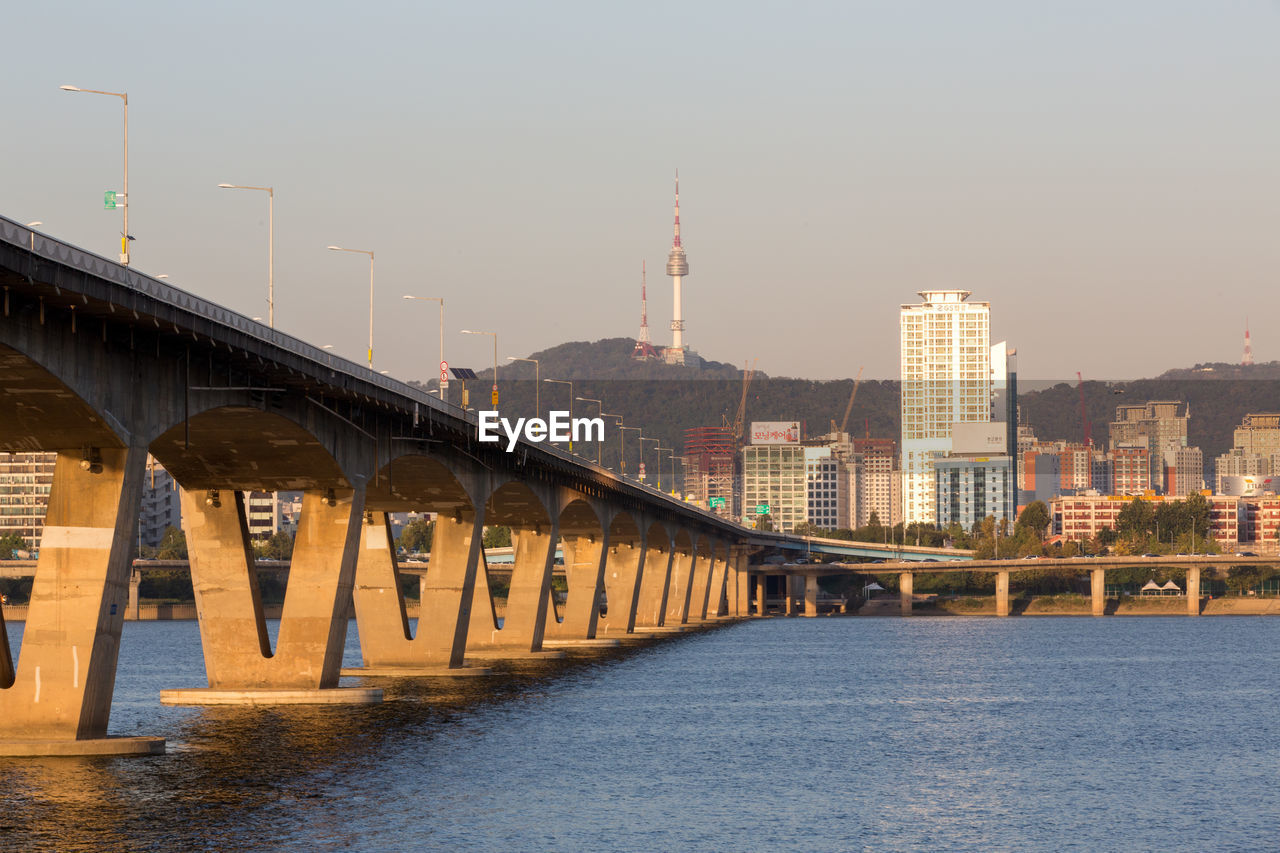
(664, 400)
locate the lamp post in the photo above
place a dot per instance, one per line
(601, 405)
(494, 398)
(444, 378)
(568, 382)
(683, 460)
(657, 443)
(124, 96)
(368, 252)
(537, 379)
(271, 246)
(622, 443)
(662, 450)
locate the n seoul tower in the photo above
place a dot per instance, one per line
(677, 268)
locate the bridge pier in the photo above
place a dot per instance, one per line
(906, 587)
(584, 567)
(1002, 593)
(700, 586)
(762, 594)
(740, 596)
(525, 618)
(57, 699)
(305, 666)
(717, 595)
(1098, 591)
(386, 644)
(811, 595)
(1193, 590)
(680, 588)
(654, 580)
(623, 571)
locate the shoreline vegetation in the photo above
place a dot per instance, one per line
(1074, 605)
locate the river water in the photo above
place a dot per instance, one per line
(1141, 733)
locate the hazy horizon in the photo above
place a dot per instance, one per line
(1103, 174)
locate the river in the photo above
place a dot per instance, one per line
(1049, 734)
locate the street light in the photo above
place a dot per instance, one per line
(568, 382)
(601, 405)
(124, 96)
(675, 490)
(657, 442)
(622, 444)
(494, 398)
(368, 252)
(444, 377)
(271, 246)
(537, 378)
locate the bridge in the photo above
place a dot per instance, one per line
(103, 364)
(1096, 567)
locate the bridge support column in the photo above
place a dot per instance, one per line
(789, 584)
(1098, 591)
(655, 583)
(700, 588)
(1193, 590)
(762, 594)
(584, 567)
(624, 569)
(718, 604)
(740, 596)
(810, 595)
(1002, 593)
(386, 644)
(525, 619)
(57, 700)
(906, 587)
(134, 606)
(680, 588)
(307, 660)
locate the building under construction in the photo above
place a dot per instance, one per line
(710, 456)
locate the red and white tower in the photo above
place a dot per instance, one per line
(1247, 359)
(644, 347)
(677, 268)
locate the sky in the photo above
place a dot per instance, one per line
(1105, 173)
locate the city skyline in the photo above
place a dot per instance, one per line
(1096, 171)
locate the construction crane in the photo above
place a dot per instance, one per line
(738, 420)
(1084, 415)
(844, 424)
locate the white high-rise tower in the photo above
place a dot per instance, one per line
(677, 268)
(946, 379)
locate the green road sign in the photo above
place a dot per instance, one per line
(109, 200)
(762, 509)
(715, 502)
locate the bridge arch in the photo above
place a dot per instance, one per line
(624, 571)
(584, 544)
(656, 577)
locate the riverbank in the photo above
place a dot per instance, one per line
(1077, 605)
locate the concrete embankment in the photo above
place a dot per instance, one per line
(1075, 605)
(175, 612)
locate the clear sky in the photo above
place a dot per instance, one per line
(1105, 173)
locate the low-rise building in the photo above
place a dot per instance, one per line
(971, 488)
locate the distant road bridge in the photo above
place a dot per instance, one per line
(1095, 567)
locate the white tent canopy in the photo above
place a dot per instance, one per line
(1170, 585)
(873, 587)
(1152, 585)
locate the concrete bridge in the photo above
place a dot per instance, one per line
(1194, 565)
(103, 365)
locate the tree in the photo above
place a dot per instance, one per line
(764, 522)
(173, 545)
(1034, 517)
(497, 537)
(1136, 519)
(416, 536)
(9, 543)
(278, 547)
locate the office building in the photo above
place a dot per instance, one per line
(946, 379)
(25, 482)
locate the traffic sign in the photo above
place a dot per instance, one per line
(642, 471)
(494, 398)
(109, 200)
(762, 509)
(444, 376)
(715, 502)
